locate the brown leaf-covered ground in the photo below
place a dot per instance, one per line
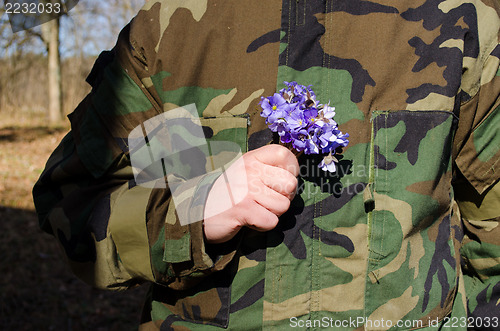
(37, 290)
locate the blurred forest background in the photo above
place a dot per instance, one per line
(42, 79)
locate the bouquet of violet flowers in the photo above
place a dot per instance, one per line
(303, 124)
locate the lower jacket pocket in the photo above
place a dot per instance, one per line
(205, 303)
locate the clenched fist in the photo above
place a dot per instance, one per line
(254, 191)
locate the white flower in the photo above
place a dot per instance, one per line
(328, 163)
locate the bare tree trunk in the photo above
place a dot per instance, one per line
(51, 37)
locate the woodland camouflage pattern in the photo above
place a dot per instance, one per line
(406, 230)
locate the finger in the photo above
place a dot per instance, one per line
(258, 217)
(278, 156)
(220, 228)
(279, 180)
(268, 198)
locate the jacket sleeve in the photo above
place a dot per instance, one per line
(477, 187)
(115, 232)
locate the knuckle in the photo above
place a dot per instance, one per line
(282, 154)
(280, 205)
(292, 180)
(284, 205)
(271, 221)
(290, 185)
(265, 223)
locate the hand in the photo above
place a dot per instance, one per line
(254, 191)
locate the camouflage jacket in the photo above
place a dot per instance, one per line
(405, 235)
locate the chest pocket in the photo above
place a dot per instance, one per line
(411, 158)
(180, 144)
(411, 224)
